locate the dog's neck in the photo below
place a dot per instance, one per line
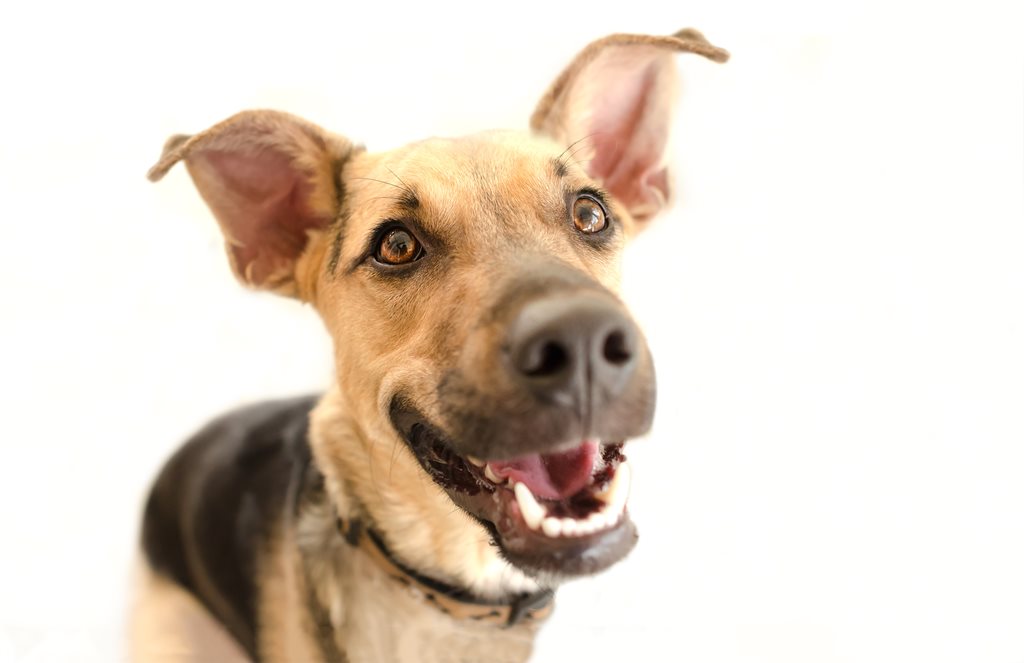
(414, 521)
(362, 606)
(452, 601)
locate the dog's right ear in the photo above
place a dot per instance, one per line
(272, 180)
(615, 99)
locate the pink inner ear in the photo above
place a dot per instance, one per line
(628, 121)
(260, 201)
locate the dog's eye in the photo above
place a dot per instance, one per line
(397, 246)
(588, 215)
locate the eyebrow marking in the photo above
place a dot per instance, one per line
(409, 201)
(561, 168)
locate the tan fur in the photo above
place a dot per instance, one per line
(168, 625)
(490, 196)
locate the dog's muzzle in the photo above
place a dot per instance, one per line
(532, 423)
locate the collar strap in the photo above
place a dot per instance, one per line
(460, 604)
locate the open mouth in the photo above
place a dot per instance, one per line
(562, 512)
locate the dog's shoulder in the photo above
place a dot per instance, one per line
(217, 500)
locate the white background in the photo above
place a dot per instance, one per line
(836, 305)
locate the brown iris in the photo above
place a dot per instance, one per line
(588, 215)
(398, 247)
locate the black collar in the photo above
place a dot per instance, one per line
(451, 600)
(308, 485)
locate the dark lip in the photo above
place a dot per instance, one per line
(496, 509)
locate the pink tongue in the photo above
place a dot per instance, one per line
(551, 476)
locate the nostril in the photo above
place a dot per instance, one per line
(548, 358)
(616, 348)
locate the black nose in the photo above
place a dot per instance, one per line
(574, 350)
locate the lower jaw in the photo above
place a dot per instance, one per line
(563, 558)
(593, 529)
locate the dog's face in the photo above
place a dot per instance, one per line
(480, 323)
(470, 288)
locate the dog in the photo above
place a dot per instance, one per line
(469, 457)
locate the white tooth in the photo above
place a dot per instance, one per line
(617, 492)
(533, 512)
(552, 527)
(476, 461)
(491, 476)
(570, 527)
(584, 527)
(603, 519)
(609, 515)
(606, 515)
(624, 483)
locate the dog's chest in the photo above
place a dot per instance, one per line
(383, 620)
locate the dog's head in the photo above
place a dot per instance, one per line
(469, 284)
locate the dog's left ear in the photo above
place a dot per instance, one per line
(616, 100)
(272, 181)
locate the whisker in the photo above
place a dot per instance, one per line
(573, 144)
(400, 187)
(577, 142)
(572, 155)
(407, 188)
(396, 198)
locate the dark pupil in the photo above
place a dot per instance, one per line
(588, 217)
(397, 245)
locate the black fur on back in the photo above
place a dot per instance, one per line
(216, 501)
